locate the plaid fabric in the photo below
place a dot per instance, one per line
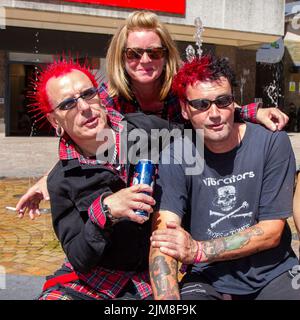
(86, 290)
(54, 295)
(249, 111)
(109, 283)
(171, 110)
(143, 288)
(101, 284)
(95, 212)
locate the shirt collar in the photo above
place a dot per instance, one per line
(67, 149)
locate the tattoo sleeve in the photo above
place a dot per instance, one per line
(215, 249)
(163, 275)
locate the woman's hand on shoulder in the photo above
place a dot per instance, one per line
(272, 118)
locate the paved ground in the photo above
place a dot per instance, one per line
(26, 156)
(29, 249)
(20, 287)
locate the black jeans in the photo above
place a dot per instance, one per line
(284, 287)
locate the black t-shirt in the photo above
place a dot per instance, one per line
(234, 191)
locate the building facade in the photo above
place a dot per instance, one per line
(291, 61)
(31, 32)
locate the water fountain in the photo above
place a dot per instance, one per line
(198, 35)
(243, 81)
(190, 51)
(37, 117)
(273, 89)
(36, 72)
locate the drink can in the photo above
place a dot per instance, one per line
(144, 173)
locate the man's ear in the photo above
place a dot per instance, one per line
(184, 110)
(51, 118)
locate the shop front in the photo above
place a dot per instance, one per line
(32, 32)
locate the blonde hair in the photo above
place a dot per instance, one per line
(118, 82)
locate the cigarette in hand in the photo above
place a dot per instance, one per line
(11, 208)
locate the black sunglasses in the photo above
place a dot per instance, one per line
(204, 104)
(137, 53)
(71, 103)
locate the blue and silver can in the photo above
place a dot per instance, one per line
(144, 173)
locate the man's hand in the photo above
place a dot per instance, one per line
(272, 118)
(175, 242)
(31, 199)
(124, 202)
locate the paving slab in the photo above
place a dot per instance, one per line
(27, 156)
(21, 287)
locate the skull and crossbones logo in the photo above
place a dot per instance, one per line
(226, 200)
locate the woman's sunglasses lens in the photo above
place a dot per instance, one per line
(156, 53)
(153, 53)
(132, 54)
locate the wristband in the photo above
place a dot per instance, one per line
(110, 219)
(199, 253)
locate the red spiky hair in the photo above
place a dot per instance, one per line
(205, 68)
(39, 102)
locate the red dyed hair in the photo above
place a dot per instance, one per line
(206, 68)
(38, 95)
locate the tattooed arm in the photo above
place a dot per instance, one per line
(163, 268)
(177, 243)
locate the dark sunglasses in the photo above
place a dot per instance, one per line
(204, 104)
(71, 103)
(137, 53)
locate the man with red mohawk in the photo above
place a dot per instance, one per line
(237, 243)
(92, 208)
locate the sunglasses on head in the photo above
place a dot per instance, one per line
(71, 103)
(204, 104)
(137, 53)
